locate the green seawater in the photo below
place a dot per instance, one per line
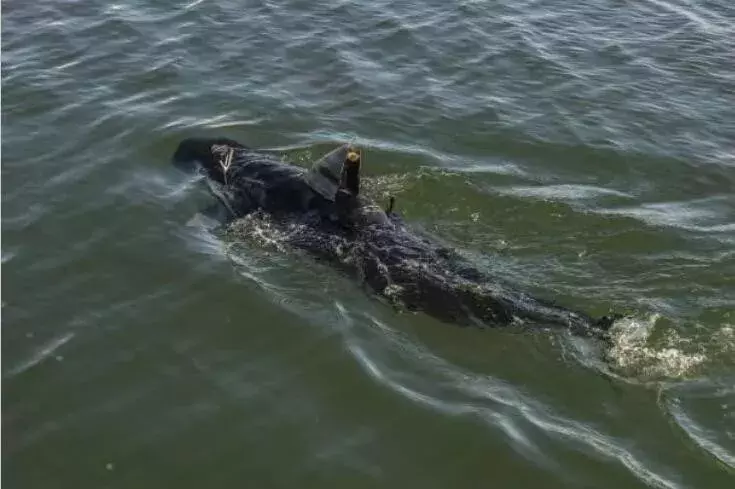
(583, 151)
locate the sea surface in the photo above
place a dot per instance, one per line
(583, 151)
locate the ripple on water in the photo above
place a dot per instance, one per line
(525, 92)
(705, 215)
(41, 353)
(457, 392)
(704, 410)
(562, 192)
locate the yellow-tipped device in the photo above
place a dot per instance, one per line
(353, 155)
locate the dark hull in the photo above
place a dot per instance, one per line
(408, 269)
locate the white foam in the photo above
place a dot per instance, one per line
(632, 354)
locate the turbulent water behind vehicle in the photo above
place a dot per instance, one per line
(582, 151)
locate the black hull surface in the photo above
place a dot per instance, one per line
(375, 247)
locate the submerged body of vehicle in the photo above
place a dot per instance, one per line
(329, 219)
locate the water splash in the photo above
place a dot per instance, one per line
(260, 229)
(641, 352)
(634, 354)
